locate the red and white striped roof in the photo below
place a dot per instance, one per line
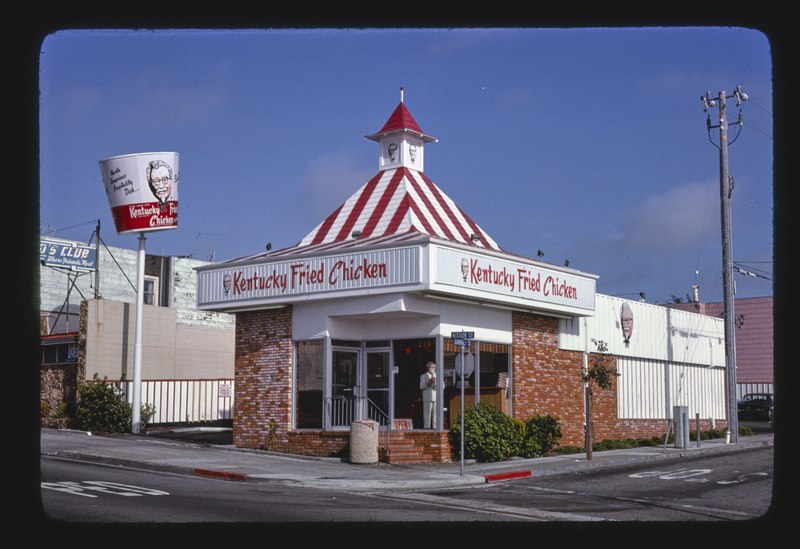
(395, 202)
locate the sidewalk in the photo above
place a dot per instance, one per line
(235, 464)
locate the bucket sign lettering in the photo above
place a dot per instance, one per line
(142, 191)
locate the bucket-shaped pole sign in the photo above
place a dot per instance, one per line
(142, 191)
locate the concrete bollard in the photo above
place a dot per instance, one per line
(364, 442)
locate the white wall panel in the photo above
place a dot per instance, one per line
(659, 333)
(643, 392)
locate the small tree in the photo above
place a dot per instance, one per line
(600, 373)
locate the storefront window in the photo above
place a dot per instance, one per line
(493, 365)
(410, 358)
(308, 388)
(361, 373)
(484, 367)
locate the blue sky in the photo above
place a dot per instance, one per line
(589, 144)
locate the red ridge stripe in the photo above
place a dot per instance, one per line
(402, 211)
(430, 209)
(399, 214)
(366, 192)
(446, 207)
(412, 204)
(322, 232)
(475, 228)
(382, 204)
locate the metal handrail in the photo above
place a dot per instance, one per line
(343, 412)
(371, 406)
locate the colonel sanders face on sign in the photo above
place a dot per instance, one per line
(159, 178)
(626, 321)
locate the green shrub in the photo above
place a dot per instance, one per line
(569, 449)
(102, 408)
(619, 444)
(147, 411)
(542, 434)
(61, 410)
(489, 434)
(44, 408)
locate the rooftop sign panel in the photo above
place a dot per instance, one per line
(68, 255)
(528, 284)
(455, 271)
(271, 282)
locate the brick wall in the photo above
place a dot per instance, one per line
(547, 380)
(263, 391)
(320, 443)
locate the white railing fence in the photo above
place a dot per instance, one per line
(184, 400)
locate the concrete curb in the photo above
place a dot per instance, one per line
(497, 477)
(227, 475)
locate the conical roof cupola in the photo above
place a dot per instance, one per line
(401, 140)
(400, 199)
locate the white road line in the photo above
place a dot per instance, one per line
(488, 507)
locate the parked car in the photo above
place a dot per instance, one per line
(755, 406)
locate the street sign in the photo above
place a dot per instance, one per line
(462, 339)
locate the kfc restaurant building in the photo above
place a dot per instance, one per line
(340, 327)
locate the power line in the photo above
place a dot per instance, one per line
(740, 270)
(53, 230)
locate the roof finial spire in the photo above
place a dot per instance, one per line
(401, 94)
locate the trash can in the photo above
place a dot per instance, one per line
(680, 416)
(364, 441)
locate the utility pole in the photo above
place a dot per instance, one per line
(725, 189)
(97, 262)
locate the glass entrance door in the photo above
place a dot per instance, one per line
(344, 388)
(377, 384)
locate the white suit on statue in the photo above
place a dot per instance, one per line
(427, 384)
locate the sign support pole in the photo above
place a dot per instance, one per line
(461, 380)
(136, 404)
(462, 339)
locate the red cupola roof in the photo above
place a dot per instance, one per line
(400, 121)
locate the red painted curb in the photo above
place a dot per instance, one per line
(220, 474)
(507, 476)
